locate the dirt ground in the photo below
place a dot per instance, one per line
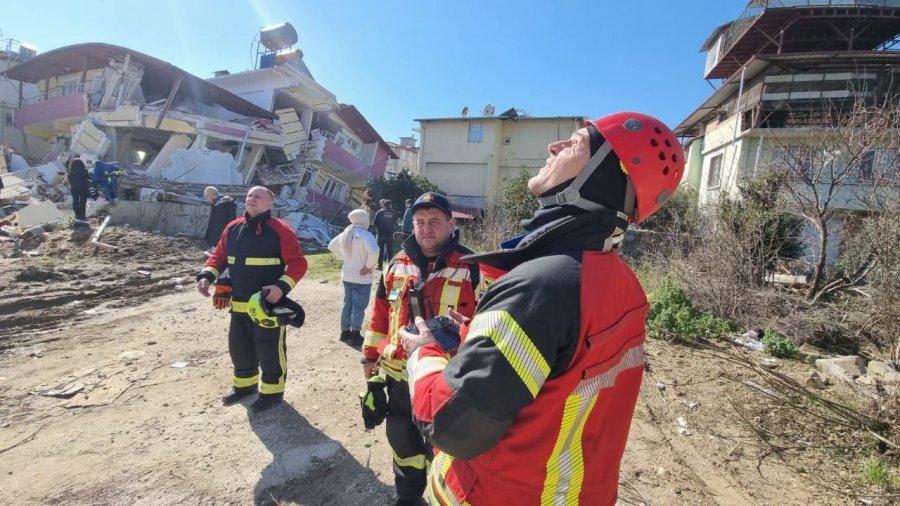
(110, 381)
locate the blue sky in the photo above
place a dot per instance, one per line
(400, 60)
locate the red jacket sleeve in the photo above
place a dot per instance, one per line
(292, 256)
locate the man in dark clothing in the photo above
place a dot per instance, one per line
(79, 182)
(385, 224)
(223, 212)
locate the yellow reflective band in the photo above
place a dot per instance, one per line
(289, 280)
(245, 382)
(230, 260)
(277, 388)
(238, 307)
(262, 261)
(515, 345)
(449, 297)
(565, 467)
(373, 338)
(416, 461)
(211, 270)
(437, 480)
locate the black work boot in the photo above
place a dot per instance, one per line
(236, 394)
(356, 340)
(346, 335)
(264, 402)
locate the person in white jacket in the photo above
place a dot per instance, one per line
(357, 248)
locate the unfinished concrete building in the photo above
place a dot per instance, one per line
(778, 71)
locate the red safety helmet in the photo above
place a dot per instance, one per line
(650, 153)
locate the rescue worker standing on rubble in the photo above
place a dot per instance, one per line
(79, 183)
(535, 406)
(427, 276)
(263, 255)
(223, 212)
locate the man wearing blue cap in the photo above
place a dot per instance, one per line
(428, 279)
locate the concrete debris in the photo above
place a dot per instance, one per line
(692, 404)
(845, 368)
(39, 213)
(814, 380)
(131, 355)
(884, 372)
(179, 365)
(769, 363)
(65, 392)
(661, 386)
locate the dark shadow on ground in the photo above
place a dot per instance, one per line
(308, 467)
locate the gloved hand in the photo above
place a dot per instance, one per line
(221, 298)
(373, 402)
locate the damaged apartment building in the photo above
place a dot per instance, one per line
(170, 134)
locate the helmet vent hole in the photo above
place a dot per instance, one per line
(674, 158)
(636, 160)
(654, 143)
(657, 130)
(666, 170)
(662, 156)
(668, 144)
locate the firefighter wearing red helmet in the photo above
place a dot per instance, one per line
(535, 406)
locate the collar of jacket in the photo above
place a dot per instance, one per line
(258, 221)
(553, 230)
(222, 199)
(415, 253)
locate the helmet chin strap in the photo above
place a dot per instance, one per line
(571, 196)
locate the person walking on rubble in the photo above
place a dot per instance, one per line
(429, 278)
(79, 183)
(264, 258)
(385, 223)
(357, 248)
(223, 211)
(535, 406)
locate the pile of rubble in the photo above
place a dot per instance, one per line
(37, 199)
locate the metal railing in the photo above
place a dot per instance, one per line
(343, 145)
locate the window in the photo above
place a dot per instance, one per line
(334, 189)
(306, 178)
(866, 166)
(715, 172)
(476, 132)
(507, 141)
(9, 119)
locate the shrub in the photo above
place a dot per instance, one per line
(673, 315)
(778, 346)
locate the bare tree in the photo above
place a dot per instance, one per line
(846, 166)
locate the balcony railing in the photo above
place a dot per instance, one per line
(60, 91)
(341, 143)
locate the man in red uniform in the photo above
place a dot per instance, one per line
(536, 405)
(427, 276)
(261, 253)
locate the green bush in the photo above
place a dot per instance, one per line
(673, 315)
(516, 200)
(778, 346)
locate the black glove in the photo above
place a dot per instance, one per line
(373, 402)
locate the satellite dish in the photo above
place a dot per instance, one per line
(488, 110)
(464, 112)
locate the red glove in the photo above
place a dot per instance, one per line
(221, 298)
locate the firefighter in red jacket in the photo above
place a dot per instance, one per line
(535, 406)
(261, 253)
(427, 277)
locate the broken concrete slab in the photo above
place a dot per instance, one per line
(883, 371)
(845, 368)
(65, 392)
(815, 381)
(39, 213)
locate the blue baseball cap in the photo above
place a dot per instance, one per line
(435, 200)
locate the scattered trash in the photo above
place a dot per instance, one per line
(144, 273)
(179, 365)
(684, 432)
(682, 422)
(692, 404)
(661, 386)
(749, 340)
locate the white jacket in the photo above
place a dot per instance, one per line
(364, 254)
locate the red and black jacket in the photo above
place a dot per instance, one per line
(258, 251)
(535, 407)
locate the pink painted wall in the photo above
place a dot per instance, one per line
(66, 106)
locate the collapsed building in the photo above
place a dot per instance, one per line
(169, 134)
